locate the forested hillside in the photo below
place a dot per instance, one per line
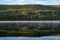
(29, 12)
(29, 29)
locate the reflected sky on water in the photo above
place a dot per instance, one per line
(29, 21)
(31, 38)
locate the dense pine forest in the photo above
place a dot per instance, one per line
(29, 29)
(29, 12)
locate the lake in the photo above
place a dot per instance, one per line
(31, 38)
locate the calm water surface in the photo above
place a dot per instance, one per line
(31, 38)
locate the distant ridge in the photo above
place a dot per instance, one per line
(29, 12)
(33, 6)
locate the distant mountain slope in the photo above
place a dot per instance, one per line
(29, 12)
(55, 5)
(38, 7)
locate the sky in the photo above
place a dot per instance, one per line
(21, 2)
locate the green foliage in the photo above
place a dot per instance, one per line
(29, 29)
